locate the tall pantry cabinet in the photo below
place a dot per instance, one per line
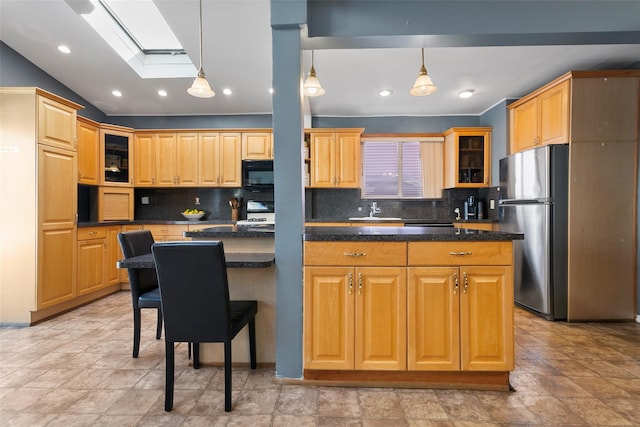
(38, 176)
(598, 114)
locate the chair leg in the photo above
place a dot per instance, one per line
(252, 342)
(227, 376)
(196, 355)
(136, 331)
(169, 361)
(159, 327)
(189, 350)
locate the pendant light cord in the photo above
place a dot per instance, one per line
(200, 37)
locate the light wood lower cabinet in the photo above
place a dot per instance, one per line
(416, 306)
(167, 232)
(356, 318)
(92, 259)
(460, 306)
(355, 305)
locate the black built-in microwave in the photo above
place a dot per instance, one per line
(257, 175)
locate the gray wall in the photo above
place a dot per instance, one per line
(17, 71)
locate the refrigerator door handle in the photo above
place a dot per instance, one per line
(505, 202)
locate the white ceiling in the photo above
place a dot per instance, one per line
(237, 55)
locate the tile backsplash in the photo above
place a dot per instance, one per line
(320, 204)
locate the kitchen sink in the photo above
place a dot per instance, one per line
(374, 218)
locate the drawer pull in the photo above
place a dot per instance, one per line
(93, 232)
(355, 254)
(460, 253)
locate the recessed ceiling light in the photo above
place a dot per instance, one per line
(116, 93)
(64, 49)
(385, 92)
(227, 91)
(466, 93)
(162, 92)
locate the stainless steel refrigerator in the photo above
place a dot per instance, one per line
(534, 201)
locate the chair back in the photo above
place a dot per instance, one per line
(134, 243)
(194, 290)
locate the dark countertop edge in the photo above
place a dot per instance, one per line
(234, 231)
(406, 221)
(234, 260)
(213, 222)
(399, 234)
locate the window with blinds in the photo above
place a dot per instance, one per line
(401, 170)
(392, 169)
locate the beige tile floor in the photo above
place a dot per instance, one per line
(77, 370)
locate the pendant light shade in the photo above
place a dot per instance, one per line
(200, 86)
(423, 85)
(312, 86)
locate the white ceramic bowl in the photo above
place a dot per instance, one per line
(193, 216)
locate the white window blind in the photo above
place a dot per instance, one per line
(402, 169)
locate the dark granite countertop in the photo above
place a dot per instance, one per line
(401, 234)
(234, 260)
(233, 231)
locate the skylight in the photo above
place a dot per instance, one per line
(142, 21)
(139, 34)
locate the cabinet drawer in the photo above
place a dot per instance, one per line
(355, 253)
(460, 253)
(166, 230)
(92, 233)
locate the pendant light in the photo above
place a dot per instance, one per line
(312, 86)
(200, 86)
(423, 85)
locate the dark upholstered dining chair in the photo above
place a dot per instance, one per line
(143, 281)
(195, 302)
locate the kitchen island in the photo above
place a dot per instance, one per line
(408, 306)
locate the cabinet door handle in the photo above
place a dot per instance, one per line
(350, 283)
(455, 284)
(355, 254)
(153, 180)
(359, 283)
(466, 282)
(460, 253)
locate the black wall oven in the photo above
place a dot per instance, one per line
(257, 175)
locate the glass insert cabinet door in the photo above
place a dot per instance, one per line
(467, 154)
(116, 155)
(471, 155)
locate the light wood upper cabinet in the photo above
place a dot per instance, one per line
(116, 155)
(230, 160)
(176, 159)
(541, 119)
(579, 106)
(220, 159)
(467, 157)
(144, 147)
(257, 146)
(88, 149)
(165, 168)
(335, 159)
(56, 123)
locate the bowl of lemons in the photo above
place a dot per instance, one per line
(193, 214)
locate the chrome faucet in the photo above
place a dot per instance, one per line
(374, 209)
